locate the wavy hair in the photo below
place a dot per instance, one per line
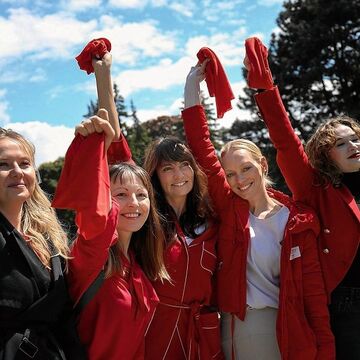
(320, 144)
(197, 208)
(38, 219)
(147, 244)
(252, 148)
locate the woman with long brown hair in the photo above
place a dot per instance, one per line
(184, 325)
(119, 234)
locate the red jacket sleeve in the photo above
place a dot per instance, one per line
(315, 299)
(198, 137)
(88, 256)
(84, 184)
(291, 157)
(119, 151)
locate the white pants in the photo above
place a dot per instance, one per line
(254, 338)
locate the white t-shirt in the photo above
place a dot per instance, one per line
(263, 259)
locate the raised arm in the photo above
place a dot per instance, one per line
(119, 151)
(291, 157)
(198, 137)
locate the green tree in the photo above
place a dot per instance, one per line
(93, 107)
(137, 136)
(50, 174)
(213, 122)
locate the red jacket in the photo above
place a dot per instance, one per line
(337, 210)
(182, 328)
(303, 328)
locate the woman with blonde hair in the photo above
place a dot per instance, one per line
(269, 283)
(34, 252)
(326, 176)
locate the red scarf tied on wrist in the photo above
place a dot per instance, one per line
(259, 75)
(96, 48)
(217, 81)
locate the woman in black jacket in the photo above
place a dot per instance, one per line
(33, 252)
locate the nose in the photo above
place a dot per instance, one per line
(353, 144)
(178, 173)
(133, 201)
(16, 170)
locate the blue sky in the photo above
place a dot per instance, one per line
(43, 94)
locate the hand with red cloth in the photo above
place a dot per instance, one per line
(217, 81)
(96, 48)
(256, 62)
(84, 184)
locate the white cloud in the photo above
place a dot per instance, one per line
(48, 36)
(4, 107)
(228, 46)
(80, 5)
(128, 4)
(133, 41)
(185, 9)
(50, 141)
(58, 35)
(159, 77)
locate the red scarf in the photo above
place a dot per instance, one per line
(259, 74)
(96, 48)
(217, 81)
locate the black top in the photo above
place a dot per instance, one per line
(32, 299)
(352, 278)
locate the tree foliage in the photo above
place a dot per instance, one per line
(314, 58)
(50, 174)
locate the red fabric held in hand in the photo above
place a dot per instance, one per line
(217, 81)
(84, 184)
(259, 75)
(96, 48)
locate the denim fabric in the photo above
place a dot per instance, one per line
(345, 322)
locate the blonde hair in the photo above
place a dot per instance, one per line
(252, 148)
(38, 219)
(147, 244)
(320, 144)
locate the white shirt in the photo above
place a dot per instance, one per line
(263, 259)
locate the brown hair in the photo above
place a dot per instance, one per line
(321, 142)
(38, 219)
(198, 208)
(148, 242)
(252, 148)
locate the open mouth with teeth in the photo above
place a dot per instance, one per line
(131, 215)
(180, 184)
(244, 188)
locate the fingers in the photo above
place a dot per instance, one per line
(98, 123)
(246, 63)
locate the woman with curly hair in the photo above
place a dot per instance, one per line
(326, 176)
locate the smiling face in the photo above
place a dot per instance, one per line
(346, 151)
(244, 174)
(134, 202)
(176, 179)
(17, 173)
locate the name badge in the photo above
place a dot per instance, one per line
(295, 253)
